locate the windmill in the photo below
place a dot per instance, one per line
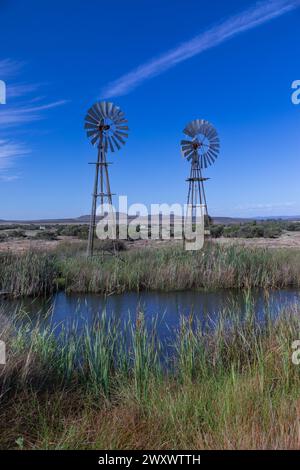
(106, 128)
(201, 150)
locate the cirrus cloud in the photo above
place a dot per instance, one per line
(248, 19)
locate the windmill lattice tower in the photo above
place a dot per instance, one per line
(106, 128)
(201, 151)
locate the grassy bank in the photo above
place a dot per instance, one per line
(216, 266)
(234, 388)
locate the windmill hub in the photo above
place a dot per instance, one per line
(104, 127)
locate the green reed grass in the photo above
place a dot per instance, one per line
(111, 386)
(164, 269)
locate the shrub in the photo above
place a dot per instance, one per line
(46, 235)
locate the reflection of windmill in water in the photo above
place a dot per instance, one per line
(201, 150)
(107, 128)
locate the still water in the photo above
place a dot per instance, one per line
(167, 308)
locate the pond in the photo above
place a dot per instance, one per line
(166, 307)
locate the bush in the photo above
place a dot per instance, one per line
(80, 231)
(46, 235)
(16, 234)
(110, 245)
(216, 231)
(3, 237)
(272, 229)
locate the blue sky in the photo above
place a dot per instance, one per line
(58, 57)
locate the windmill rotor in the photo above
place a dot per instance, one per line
(106, 122)
(203, 145)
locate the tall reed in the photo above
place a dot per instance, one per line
(233, 386)
(162, 269)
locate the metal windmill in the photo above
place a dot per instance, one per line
(201, 150)
(106, 128)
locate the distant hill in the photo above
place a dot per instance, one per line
(84, 219)
(230, 220)
(281, 217)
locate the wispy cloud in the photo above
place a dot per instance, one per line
(19, 113)
(21, 89)
(23, 114)
(255, 16)
(9, 68)
(9, 151)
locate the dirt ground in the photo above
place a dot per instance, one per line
(286, 240)
(20, 245)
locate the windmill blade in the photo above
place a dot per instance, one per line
(213, 153)
(186, 142)
(110, 144)
(114, 112)
(118, 115)
(94, 140)
(123, 128)
(207, 159)
(109, 108)
(115, 142)
(205, 130)
(187, 147)
(212, 134)
(194, 128)
(105, 144)
(99, 110)
(102, 105)
(119, 138)
(90, 125)
(199, 126)
(89, 118)
(215, 146)
(121, 133)
(188, 132)
(189, 153)
(211, 156)
(91, 133)
(120, 121)
(92, 112)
